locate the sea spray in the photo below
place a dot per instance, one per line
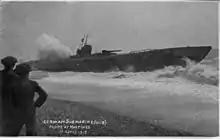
(50, 48)
(199, 73)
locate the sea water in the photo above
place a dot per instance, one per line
(179, 97)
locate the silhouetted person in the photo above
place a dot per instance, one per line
(7, 110)
(24, 92)
(8, 76)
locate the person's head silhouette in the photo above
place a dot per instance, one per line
(9, 62)
(22, 69)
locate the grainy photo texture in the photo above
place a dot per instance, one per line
(109, 69)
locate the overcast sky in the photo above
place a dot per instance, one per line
(118, 25)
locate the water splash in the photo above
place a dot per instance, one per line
(199, 73)
(50, 48)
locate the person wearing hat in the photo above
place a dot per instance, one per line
(24, 92)
(9, 62)
(7, 76)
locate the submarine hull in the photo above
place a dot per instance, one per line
(136, 61)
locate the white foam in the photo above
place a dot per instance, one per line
(196, 80)
(51, 48)
(177, 85)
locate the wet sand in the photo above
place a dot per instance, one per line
(116, 125)
(177, 112)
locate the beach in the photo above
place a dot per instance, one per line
(116, 125)
(174, 103)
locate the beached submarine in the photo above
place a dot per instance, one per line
(110, 60)
(107, 60)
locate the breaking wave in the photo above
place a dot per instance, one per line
(195, 79)
(199, 73)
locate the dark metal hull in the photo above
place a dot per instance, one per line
(138, 61)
